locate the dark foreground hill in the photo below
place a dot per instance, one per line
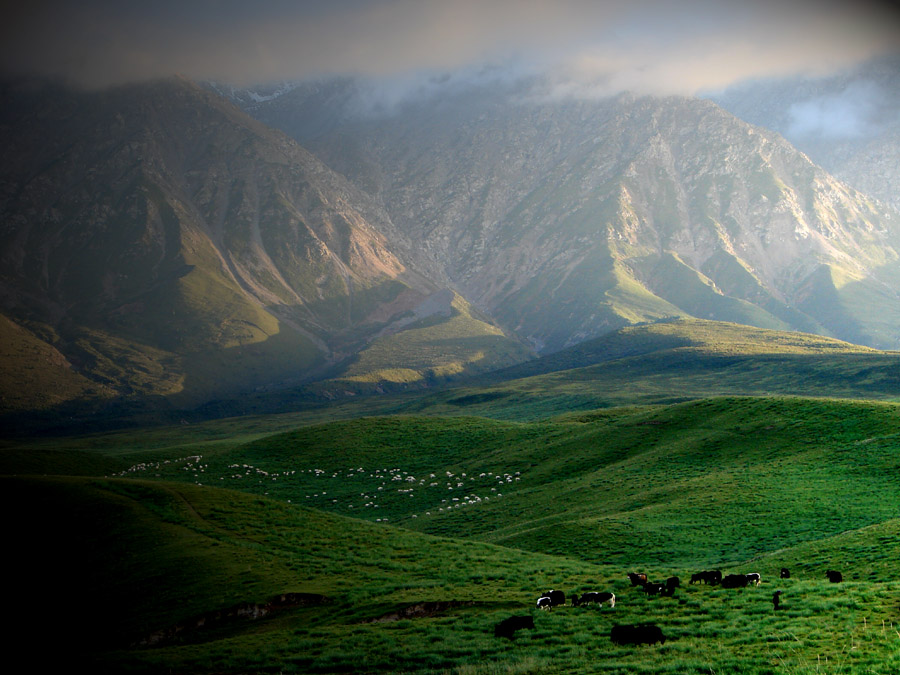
(152, 566)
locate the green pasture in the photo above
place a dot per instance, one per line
(121, 541)
(151, 556)
(713, 481)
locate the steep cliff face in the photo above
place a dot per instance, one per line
(167, 244)
(566, 219)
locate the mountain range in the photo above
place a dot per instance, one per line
(163, 247)
(566, 219)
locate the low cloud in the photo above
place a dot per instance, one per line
(856, 112)
(592, 47)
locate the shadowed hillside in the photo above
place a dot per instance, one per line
(163, 249)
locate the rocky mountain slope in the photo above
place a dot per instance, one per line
(568, 218)
(158, 242)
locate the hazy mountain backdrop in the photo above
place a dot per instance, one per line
(162, 247)
(848, 123)
(567, 218)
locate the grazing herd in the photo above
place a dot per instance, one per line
(715, 578)
(645, 633)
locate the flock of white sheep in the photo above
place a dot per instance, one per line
(372, 489)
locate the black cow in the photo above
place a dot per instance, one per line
(776, 599)
(599, 598)
(641, 634)
(651, 588)
(834, 577)
(735, 581)
(673, 582)
(712, 577)
(785, 573)
(637, 579)
(509, 626)
(754, 578)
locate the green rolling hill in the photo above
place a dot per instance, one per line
(187, 531)
(673, 361)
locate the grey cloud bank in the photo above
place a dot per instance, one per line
(595, 47)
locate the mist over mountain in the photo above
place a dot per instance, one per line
(568, 217)
(848, 123)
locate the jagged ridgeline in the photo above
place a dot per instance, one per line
(160, 244)
(567, 218)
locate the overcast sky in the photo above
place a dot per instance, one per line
(668, 46)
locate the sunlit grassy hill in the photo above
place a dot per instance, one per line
(709, 482)
(451, 342)
(675, 361)
(713, 338)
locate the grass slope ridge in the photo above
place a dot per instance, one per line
(446, 340)
(672, 361)
(712, 337)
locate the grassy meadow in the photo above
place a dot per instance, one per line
(419, 532)
(204, 549)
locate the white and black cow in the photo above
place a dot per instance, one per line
(651, 588)
(599, 598)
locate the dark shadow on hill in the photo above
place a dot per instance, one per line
(247, 611)
(423, 610)
(823, 300)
